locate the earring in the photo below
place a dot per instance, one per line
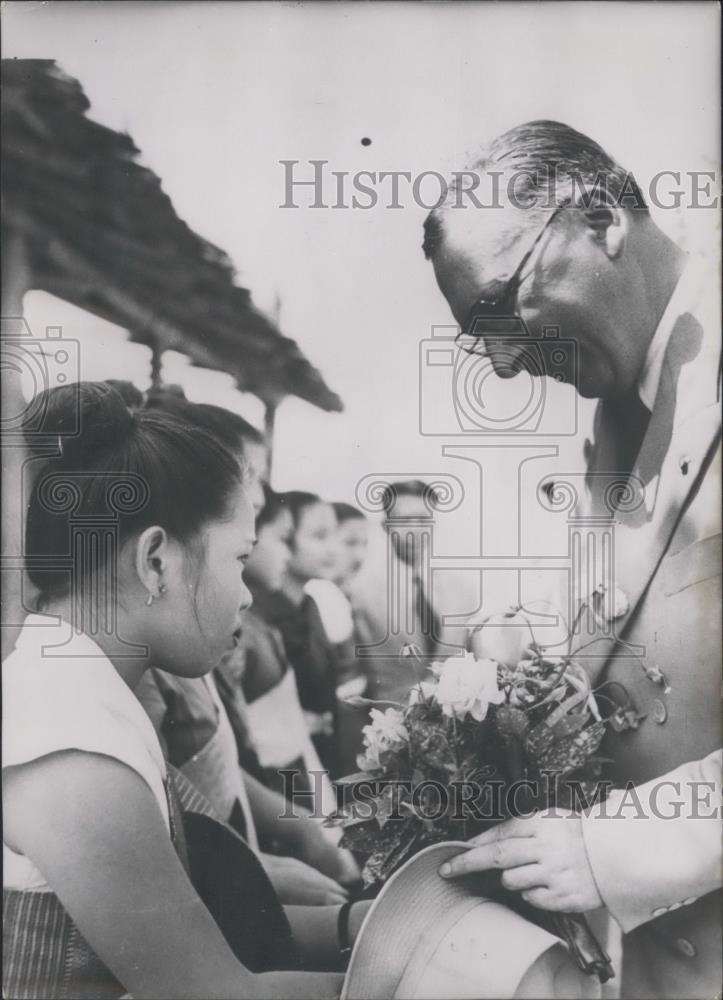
(162, 589)
(150, 600)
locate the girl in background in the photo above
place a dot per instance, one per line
(276, 720)
(296, 615)
(352, 544)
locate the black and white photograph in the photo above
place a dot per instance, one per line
(361, 519)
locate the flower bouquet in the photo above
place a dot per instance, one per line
(479, 741)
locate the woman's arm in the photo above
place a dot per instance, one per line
(316, 931)
(275, 817)
(93, 828)
(298, 884)
(296, 831)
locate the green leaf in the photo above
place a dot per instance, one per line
(570, 724)
(356, 778)
(569, 754)
(360, 837)
(386, 806)
(539, 740)
(511, 722)
(391, 846)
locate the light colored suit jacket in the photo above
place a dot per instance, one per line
(659, 877)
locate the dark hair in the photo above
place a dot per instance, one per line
(124, 467)
(132, 395)
(545, 156)
(273, 507)
(412, 488)
(227, 427)
(158, 394)
(297, 501)
(347, 512)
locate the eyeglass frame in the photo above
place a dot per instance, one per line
(505, 299)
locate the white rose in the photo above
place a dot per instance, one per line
(369, 760)
(468, 687)
(385, 732)
(507, 637)
(611, 605)
(422, 692)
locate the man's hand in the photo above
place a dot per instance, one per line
(542, 856)
(297, 884)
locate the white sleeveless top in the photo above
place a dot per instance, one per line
(70, 699)
(334, 609)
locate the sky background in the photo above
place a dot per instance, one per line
(215, 95)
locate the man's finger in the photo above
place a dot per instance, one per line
(542, 898)
(509, 853)
(519, 826)
(525, 877)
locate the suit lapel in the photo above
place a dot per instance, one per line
(681, 436)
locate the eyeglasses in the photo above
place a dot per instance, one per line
(500, 311)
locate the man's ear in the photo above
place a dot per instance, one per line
(152, 559)
(608, 225)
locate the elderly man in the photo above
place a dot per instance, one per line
(573, 246)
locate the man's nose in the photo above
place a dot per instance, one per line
(512, 357)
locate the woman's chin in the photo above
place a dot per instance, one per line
(190, 666)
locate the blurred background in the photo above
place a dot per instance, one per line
(215, 95)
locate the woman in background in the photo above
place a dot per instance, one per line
(296, 615)
(204, 727)
(352, 543)
(276, 720)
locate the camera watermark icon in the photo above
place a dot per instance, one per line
(89, 564)
(497, 382)
(40, 363)
(72, 552)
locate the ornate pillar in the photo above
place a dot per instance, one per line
(93, 544)
(596, 605)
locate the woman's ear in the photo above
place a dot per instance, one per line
(608, 225)
(152, 560)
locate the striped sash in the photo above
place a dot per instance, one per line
(45, 955)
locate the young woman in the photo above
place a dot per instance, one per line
(138, 530)
(295, 613)
(276, 719)
(352, 535)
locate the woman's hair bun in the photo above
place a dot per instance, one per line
(88, 419)
(98, 454)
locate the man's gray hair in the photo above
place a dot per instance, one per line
(552, 165)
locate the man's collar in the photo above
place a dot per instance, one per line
(684, 293)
